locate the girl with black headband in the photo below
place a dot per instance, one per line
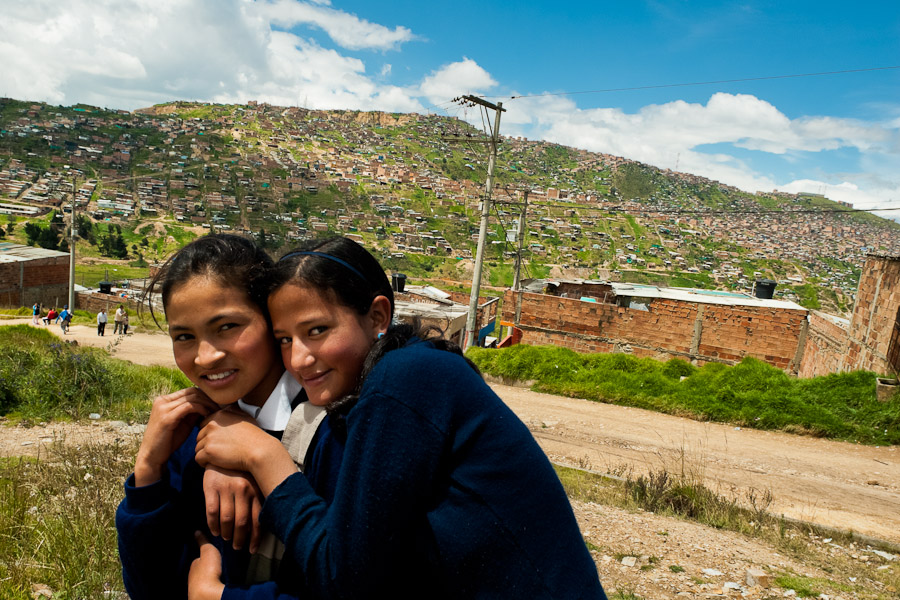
(442, 492)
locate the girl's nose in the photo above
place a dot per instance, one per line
(208, 354)
(301, 357)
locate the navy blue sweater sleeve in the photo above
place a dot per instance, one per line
(155, 538)
(156, 525)
(440, 478)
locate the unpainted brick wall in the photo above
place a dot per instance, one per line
(44, 280)
(668, 329)
(10, 285)
(825, 347)
(876, 310)
(94, 301)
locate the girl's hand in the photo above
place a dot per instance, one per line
(171, 420)
(205, 576)
(230, 439)
(233, 502)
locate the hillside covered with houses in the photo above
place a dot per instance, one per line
(409, 186)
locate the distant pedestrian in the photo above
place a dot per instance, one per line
(119, 318)
(101, 321)
(36, 314)
(50, 316)
(59, 316)
(65, 318)
(125, 324)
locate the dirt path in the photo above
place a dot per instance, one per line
(838, 484)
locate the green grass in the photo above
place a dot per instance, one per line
(56, 515)
(42, 378)
(749, 394)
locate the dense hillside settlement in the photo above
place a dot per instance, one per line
(410, 186)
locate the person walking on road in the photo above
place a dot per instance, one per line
(119, 320)
(101, 321)
(65, 317)
(36, 314)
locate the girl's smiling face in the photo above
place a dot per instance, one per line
(222, 342)
(323, 343)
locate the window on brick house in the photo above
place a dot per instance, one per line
(893, 355)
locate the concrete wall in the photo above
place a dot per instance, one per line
(44, 280)
(669, 329)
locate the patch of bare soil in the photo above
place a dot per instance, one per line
(836, 484)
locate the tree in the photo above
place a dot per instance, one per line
(32, 232)
(85, 229)
(49, 238)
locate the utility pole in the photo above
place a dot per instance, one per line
(471, 332)
(517, 284)
(73, 233)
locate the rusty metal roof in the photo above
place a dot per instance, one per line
(10, 252)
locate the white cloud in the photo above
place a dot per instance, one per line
(347, 30)
(680, 133)
(133, 53)
(455, 79)
(302, 73)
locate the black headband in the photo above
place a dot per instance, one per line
(340, 261)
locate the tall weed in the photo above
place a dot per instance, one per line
(57, 515)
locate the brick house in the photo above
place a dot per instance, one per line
(696, 325)
(29, 275)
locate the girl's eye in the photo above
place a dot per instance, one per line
(183, 337)
(228, 326)
(284, 341)
(318, 330)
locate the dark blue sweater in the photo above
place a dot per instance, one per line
(156, 525)
(443, 492)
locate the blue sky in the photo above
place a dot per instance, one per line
(834, 134)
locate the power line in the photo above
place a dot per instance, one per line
(717, 212)
(695, 83)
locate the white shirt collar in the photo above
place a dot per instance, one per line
(273, 415)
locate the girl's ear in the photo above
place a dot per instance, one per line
(380, 313)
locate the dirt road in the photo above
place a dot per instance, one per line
(837, 484)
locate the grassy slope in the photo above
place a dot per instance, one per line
(750, 394)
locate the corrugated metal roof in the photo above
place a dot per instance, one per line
(10, 252)
(700, 296)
